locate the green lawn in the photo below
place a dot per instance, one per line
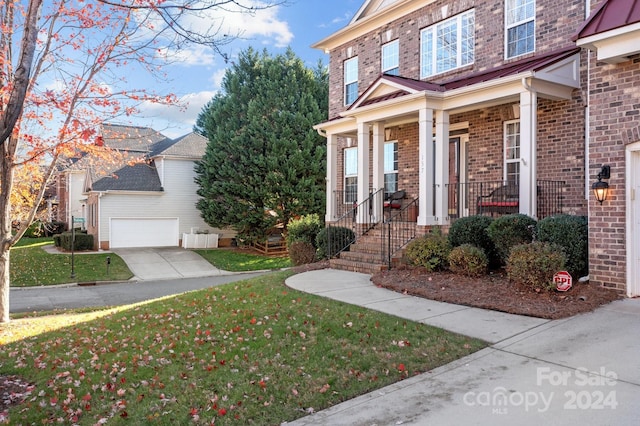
(33, 266)
(253, 352)
(233, 260)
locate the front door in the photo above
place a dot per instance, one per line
(458, 203)
(633, 233)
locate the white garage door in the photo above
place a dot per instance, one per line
(147, 232)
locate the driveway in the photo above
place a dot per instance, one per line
(162, 263)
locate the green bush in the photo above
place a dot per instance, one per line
(473, 230)
(534, 264)
(54, 228)
(35, 230)
(572, 234)
(83, 241)
(305, 229)
(301, 253)
(468, 260)
(509, 231)
(430, 251)
(332, 239)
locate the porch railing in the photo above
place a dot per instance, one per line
(398, 229)
(496, 198)
(360, 218)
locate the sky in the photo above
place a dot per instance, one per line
(197, 77)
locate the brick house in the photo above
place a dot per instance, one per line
(612, 36)
(469, 107)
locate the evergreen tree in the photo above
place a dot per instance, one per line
(264, 163)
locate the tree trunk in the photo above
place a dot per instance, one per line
(4, 285)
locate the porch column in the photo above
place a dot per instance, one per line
(442, 167)
(332, 176)
(426, 158)
(528, 148)
(363, 170)
(378, 168)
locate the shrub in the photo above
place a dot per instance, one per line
(571, 233)
(473, 230)
(338, 237)
(468, 260)
(534, 264)
(35, 230)
(509, 231)
(305, 229)
(301, 253)
(430, 251)
(83, 241)
(54, 228)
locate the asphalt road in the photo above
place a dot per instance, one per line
(31, 299)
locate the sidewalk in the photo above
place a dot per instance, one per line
(579, 370)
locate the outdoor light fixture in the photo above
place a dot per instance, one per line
(600, 189)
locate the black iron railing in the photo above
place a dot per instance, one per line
(398, 228)
(498, 198)
(360, 218)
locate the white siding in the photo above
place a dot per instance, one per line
(178, 200)
(75, 187)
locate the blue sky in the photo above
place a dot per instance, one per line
(197, 77)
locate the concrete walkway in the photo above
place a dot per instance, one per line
(576, 371)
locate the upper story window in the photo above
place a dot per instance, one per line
(512, 151)
(391, 58)
(350, 80)
(520, 26)
(448, 44)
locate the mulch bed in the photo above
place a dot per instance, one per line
(496, 292)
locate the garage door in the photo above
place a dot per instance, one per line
(147, 232)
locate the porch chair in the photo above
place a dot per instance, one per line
(394, 201)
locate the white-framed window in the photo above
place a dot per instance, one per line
(512, 151)
(448, 44)
(520, 27)
(391, 58)
(350, 80)
(390, 167)
(350, 175)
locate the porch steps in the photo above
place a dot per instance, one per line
(366, 254)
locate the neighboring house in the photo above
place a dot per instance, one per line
(147, 199)
(469, 107)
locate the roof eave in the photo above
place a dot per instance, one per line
(614, 46)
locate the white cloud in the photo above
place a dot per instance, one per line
(176, 120)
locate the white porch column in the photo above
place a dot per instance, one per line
(425, 153)
(378, 168)
(363, 170)
(528, 148)
(442, 167)
(332, 176)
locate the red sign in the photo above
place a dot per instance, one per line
(562, 280)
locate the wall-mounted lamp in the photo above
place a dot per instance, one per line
(600, 189)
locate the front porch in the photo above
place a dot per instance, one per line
(382, 229)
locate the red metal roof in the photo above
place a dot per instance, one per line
(609, 15)
(534, 63)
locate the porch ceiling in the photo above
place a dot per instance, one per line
(395, 100)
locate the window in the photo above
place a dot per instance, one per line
(390, 167)
(512, 151)
(350, 81)
(448, 44)
(350, 175)
(391, 58)
(520, 18)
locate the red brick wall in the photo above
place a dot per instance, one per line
(614, 123)
(556, 22)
